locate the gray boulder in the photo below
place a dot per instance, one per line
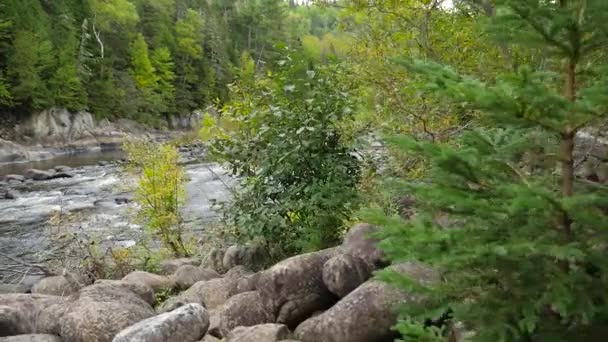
(245, 284)
(210, 338)
(245, 255)
(366, 314)
(358, 242)
(141, 290)
(154, 281)
(245, 309)
(238, 272)
(101, 311)
(56, 286)
(17, 178)
(38, 174)
(29, 313)
(31, 338)
(188, 275)
(211, 294)
(293, 289)
(169, 266)
(186, 324)
(344, 273)
(259, 333)
(215, 259)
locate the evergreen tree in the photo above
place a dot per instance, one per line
(163, 63)
(143, 70)
(519, 239)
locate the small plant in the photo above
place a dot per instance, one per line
(160, 192)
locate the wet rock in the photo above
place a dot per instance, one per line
(56, 286)
(28, 314)
(62, 175)
(169, 266)
(186, 324)
(121, 200)
(101, 311)
(358, 242)
(344, 273)
(17, 178)
(38, 174)
(9, 195)
(188, 275)
(259, 333)
(63, 168)
(293, 289)
(245, 309)
(31, 338)
(366, 314)
(154, 281)
(103, 163)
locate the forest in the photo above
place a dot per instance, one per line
(472, 133)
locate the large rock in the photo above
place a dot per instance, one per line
(211, 293)
(245, 255)
(17, 178)
(359, 242)
(188, 275)
(141, 290)
(169, 266)
(246, 283)
(210, 338)
(29, 314)
(56, 286)
(245, 309)
(215, 259)
(186, 324)
(293, 289)
(31, 338)
(101, 311)
(238, 272)
(154, 281)
(366, 314)
(38, 174)
(259, 333)
(344, 273)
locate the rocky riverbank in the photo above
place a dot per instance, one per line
(325, 296)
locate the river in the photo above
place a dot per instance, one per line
(47, 217)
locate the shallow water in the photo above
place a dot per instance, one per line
(71, 160)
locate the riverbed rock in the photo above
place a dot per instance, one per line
(28, 314)
(169, 266)
(101, 311)
(188, 323)
(9, 194)
(38, 174)
(245, 309)
(17, 178)
(343, 273)
(31, 338)
(366, 314)
(259, 333)
(238, 272)
(293, 289)
(154, 281)
(359, 242)
(188, 275)
(245, 284)
(56, 286)
(62, 168)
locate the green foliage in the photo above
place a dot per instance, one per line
(519, 239)
(159, 192)
(143, 71)
(298, 176)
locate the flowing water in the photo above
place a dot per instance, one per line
(94, 205)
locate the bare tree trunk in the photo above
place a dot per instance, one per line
(99, 41)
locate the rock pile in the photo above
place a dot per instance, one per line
(325, 296)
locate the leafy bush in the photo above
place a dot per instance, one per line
(160, 192)
(298, 174)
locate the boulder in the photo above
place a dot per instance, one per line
(10, 195)
(215, 259)
(154, 281)
(186, 324)
(259, 333)
(211, 293)
(29, 313)
(245, 309)
(188, 275)
(56, 286)
(16, 178)
(238, 272)
(38, 174)
(13, 288)
(358, 242)
(141, 290)
(210, 338)
(101, 311)
(31, 338)
(169, 266)
(293, 289)
(366, 314)
(344, 273)
(245, 284)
